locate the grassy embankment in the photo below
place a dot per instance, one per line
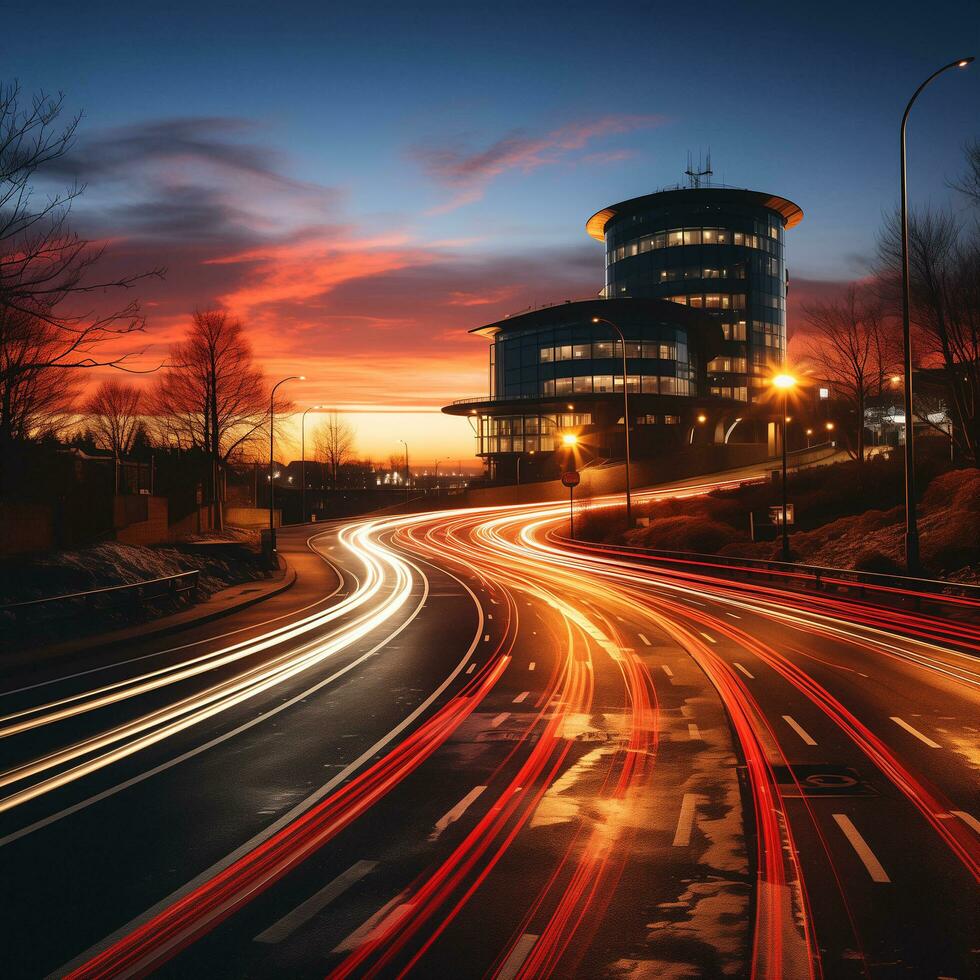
(847, 516)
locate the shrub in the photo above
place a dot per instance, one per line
(685, 533)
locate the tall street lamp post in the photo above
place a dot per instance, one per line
(626, 418)
(405, 444)
(784, 382)
(302, 454)
(272, 475)
(911, 524)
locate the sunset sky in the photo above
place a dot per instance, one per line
(361, 184)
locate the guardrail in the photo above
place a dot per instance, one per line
(169, 586)
(819, 576)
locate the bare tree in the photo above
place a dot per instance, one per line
(944, 265)
(115, 416)
(34, 399)
(47, 270)
(849, 349)
(333, 444)
(212, 397)
(969, 184)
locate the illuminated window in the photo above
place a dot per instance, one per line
(602, 349)
(580, 351)
(603, 382)
(547, 353)
(582, 384)
(672, 420)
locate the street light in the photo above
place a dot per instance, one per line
(407, 479)
(809, 432)
(272, 475)
(302, 453)
(569, 439)
(911, 525)
(784, 383)
(626, 418)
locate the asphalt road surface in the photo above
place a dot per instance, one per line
(460, 747)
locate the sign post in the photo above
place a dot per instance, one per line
(571, 479)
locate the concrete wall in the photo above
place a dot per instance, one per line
(251, 516)
(153, 530)
(25, 527)
(598, 480)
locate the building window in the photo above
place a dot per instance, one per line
(672, 420)
(604, 382)
(547, 353)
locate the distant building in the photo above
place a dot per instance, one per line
(695, 279)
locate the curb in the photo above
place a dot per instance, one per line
(110, 640)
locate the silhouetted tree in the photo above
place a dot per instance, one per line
(115, 416)
(850, 349)
(212, 397)
(35, 400)
(46, 269)
(333, 444)
(944, 265)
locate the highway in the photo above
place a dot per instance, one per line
(459, 747)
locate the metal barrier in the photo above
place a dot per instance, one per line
(820, 577)
(170, 586)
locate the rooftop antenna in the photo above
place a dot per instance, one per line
(704, 171)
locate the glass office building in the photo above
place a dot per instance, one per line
(555, 370)
(695, 279)
(715, 249)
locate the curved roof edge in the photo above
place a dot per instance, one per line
(792, 213)
(686, 315)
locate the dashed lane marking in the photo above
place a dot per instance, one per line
(747, 673)
(685, 820)
(795, 725)
(862, 849)
(518, 955)
(914, 731)
(456, 812)
(302, 914)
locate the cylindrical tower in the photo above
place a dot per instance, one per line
(716, 249)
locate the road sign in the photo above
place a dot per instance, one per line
(776, 514)
(571, 478)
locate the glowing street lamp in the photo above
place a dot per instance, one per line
(911, 527)
(569, 439)
(784, 383)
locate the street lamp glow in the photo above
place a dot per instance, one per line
(963, 62)
(702, 419)
(569, 439)
(830, 426)
(784, 382)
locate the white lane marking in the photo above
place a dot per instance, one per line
(520, 697)
(685, 821)
(377, 925)
(486, 637)
(693, 731)
(708, 637)
(305, 911)
(800, 730)
(732, 615)
(861, 847)
(489, 615)
(531, 665)
(644, 639)
(968, 819)
(518, 955)
(696, 603)
(500, 719)
(471, 668)
(914, 731)
(749, 675)
(456, 812)
(667, 670)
